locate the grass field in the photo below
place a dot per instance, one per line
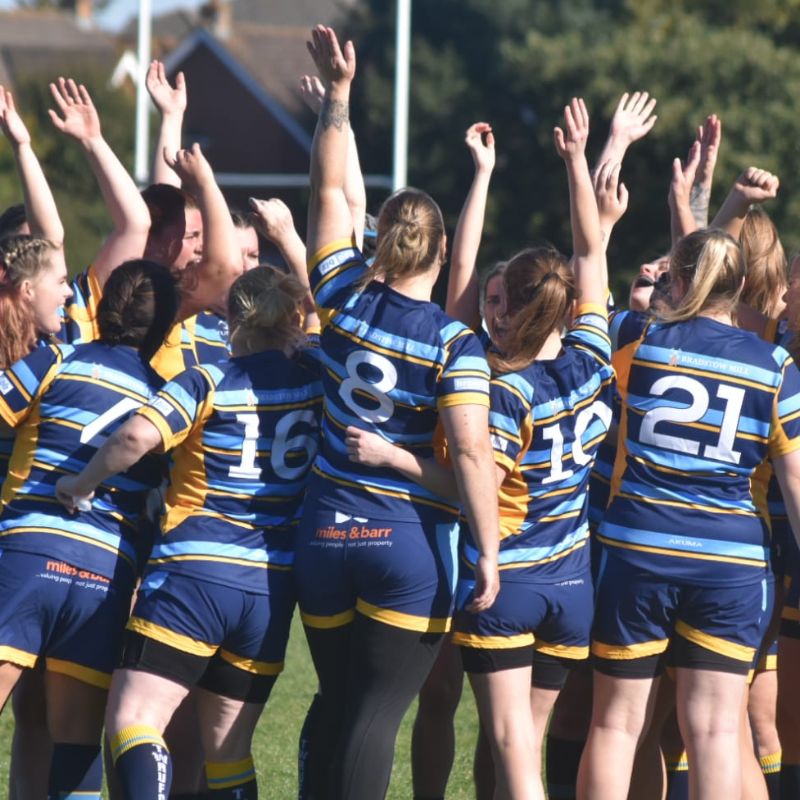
(275, 747)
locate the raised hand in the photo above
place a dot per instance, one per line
(80, 118)
(167, 100)
(757, 185)
(10, 121)
(191, 167)
(611, 195)
(312, 91)
(334, 64)
(709, 136)
(480, 141)
(572, 144)
(683, 175)
(272, 218)
(633, 118)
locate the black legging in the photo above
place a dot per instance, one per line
(369, 675)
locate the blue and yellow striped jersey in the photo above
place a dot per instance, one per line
(243, 435)
(80, 323)
(546, 423)
(210, 333)
(624, 329)
(705, 404)
(389, 364)
(65, 401)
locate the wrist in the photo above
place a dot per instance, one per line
(21, 146)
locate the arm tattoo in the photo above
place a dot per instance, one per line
(699, 198)
(336, 113)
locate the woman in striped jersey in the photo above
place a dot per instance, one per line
(375, 558)
(216, 600)
(685, 563)
(66, 582)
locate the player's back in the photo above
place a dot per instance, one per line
(66, 401)
(705, 402)
(391, 362)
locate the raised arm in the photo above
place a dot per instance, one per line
(587, 244)
(313, 93)
(137, 437)
(129, 214)
(709, 135)
(463, 293)
(633, 119)
(171, 104)
(682, 221)
(329, 215)
(40, 205)
(273, 220)
(206, 284)
(752, 186)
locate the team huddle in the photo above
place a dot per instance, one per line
(588, 512)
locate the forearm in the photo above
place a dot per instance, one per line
(699, 200)
(613, 151)
(730, 217)
(221, 264)
(354, 190)
(293, 250)
(681, 219)
(119, 453)
(475, 476)
(120, 193)
(427, 472)
(169, 139)
(462, 283)
(40, 205)
(584, 217)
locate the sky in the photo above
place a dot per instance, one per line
(118, 12)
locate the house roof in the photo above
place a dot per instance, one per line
(42, 40)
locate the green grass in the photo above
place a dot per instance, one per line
(275, 745)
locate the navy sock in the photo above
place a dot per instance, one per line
(75, 768)
(563, 758)
(677, 777)
(790, 781)
(142, 763)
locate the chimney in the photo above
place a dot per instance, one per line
(83, 14)
(221, 18)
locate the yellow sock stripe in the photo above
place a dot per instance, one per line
(770, 764)
(225, 775)
(676, 762)
(133, 736)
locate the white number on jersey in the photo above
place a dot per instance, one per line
(377, 390)
(694, 412)
(552, 433)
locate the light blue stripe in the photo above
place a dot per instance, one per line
(184, 400)
(516, 381)
(683, 462)
(558, 404)
(24, 374)
(470, 363)
(215, 549)
(239, 778)
(447, 546)
(516, 555)
(714, 364)
(268, 397)
(689, 498)
(88, 369)
(504, 423)
(451, 330)
(58, 524)
(683, 544)
(70, 414)
(788, 406)
(400, 345)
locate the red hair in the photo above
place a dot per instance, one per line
(18, 337)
